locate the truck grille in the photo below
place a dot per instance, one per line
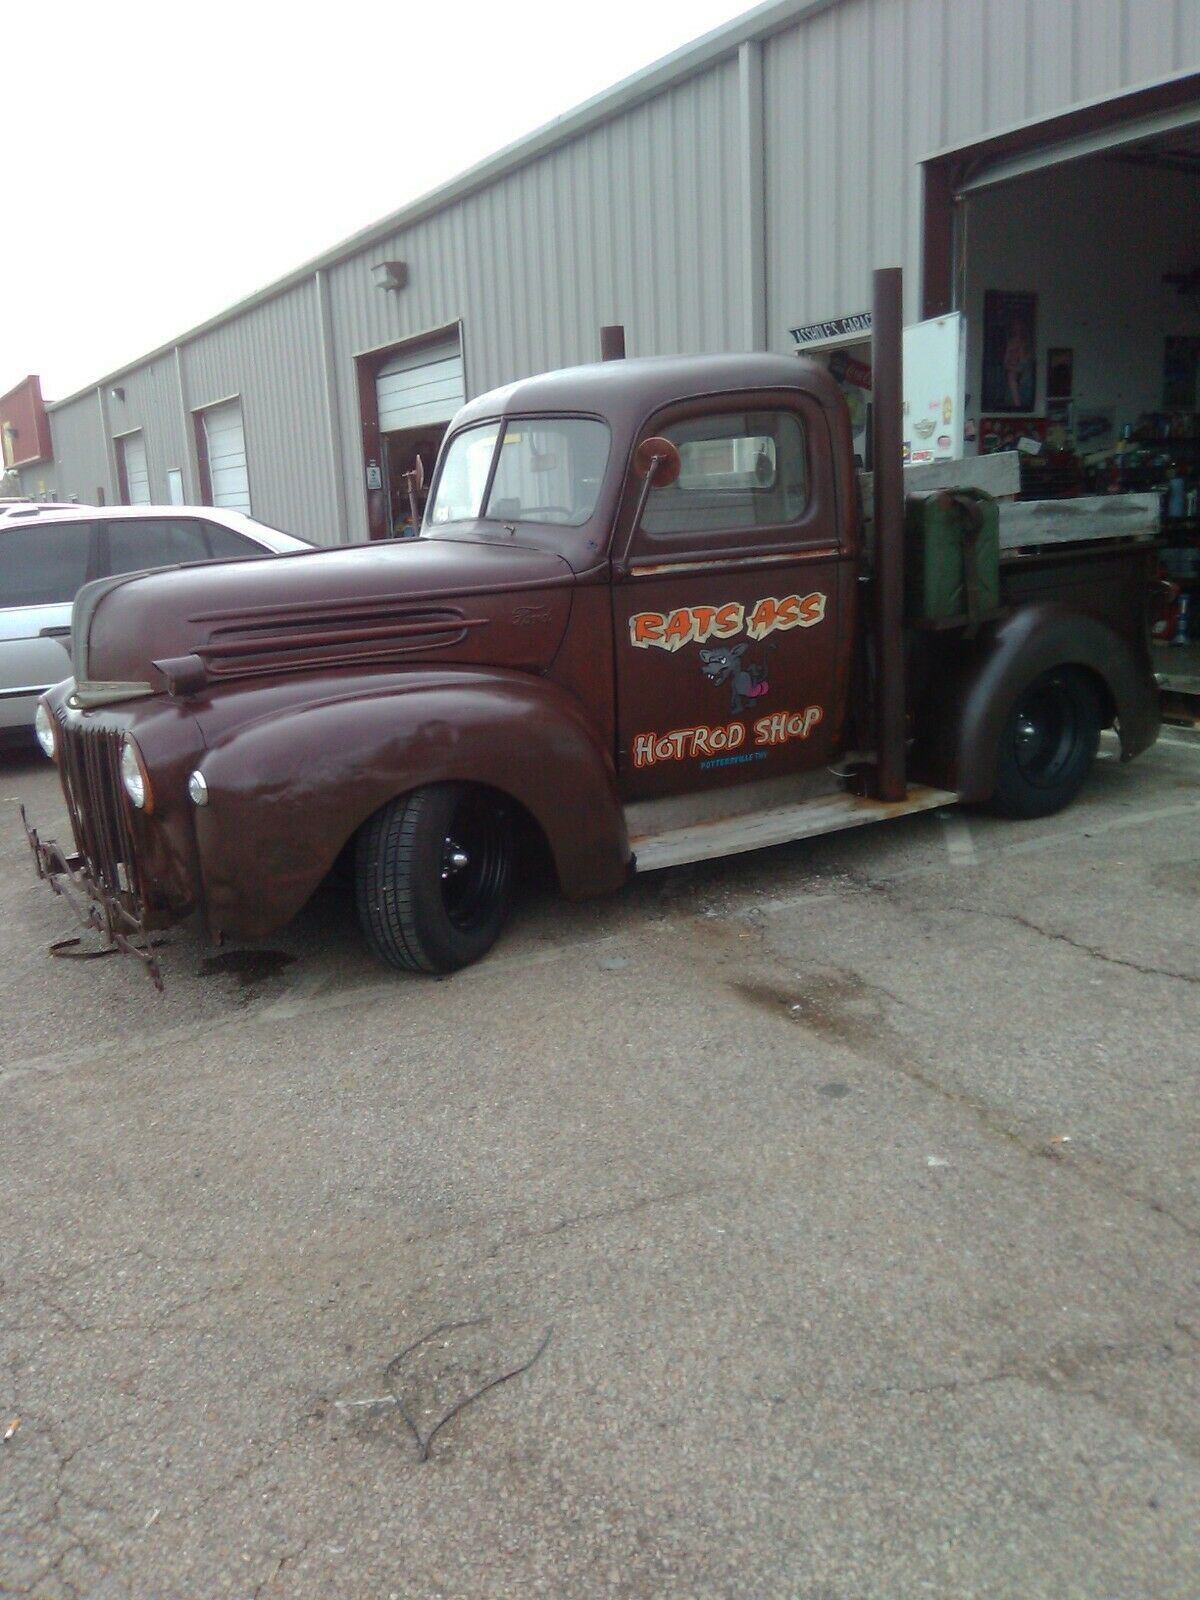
(90, 763)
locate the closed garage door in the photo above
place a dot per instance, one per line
(137, 477)
(225, 442)
(421, 386)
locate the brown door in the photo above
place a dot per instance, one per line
(730, 609)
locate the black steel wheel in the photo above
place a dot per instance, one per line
(434, 877)
(1048, 745)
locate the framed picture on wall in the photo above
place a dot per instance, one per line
(1181, 361)
(1060, 373)
(1009, 350)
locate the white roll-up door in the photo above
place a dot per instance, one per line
(421, 386)
(226, 442)
(137, 475)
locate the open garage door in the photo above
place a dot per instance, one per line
(1076, 262)
(1083, 351)
(421, 386)
(417, 390)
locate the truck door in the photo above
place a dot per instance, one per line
(733, 601)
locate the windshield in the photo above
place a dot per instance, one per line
(464, 475)
(547, 469)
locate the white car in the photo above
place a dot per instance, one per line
(49, 551)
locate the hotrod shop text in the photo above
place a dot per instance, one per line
(684, 744)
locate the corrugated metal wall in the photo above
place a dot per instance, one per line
(857, 97)
(630, 223)
(80, 461)
(151, 403)
(639, 220)
(271, 357)
(38, 482)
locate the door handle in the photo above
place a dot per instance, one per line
(55, 633)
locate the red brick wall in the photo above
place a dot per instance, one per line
(24, 427)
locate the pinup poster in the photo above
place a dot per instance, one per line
(1009, 351)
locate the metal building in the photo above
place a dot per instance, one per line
(736, 195)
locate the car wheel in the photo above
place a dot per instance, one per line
(434, 877)
(1048, 745)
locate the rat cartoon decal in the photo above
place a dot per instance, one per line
(748, 682)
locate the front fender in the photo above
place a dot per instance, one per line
(289, 789)
(974, 701)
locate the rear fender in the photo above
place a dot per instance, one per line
(287, 791)
(972, 706)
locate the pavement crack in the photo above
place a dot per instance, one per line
(1065, 938)
(1067, 1368)
(824, 1005)
(281, 1562)
(583, 1219)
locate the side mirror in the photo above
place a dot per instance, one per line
(658, 461)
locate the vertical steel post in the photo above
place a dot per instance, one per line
(887, 321)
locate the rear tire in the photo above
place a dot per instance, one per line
(434, 877)
(1048, 745)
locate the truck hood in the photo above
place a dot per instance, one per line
(425, 600)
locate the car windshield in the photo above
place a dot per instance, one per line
(542, 469)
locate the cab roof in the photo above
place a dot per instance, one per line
(625, 392)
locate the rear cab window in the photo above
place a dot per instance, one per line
(738, 471)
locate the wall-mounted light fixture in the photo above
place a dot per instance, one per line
(118, 393)
(391, 275)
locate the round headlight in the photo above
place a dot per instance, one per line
(43, 726)
(197, 789)
(133, 775)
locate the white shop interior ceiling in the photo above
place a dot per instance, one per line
(1092, 239)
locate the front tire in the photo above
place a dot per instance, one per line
(434, 877)
(1048, 745)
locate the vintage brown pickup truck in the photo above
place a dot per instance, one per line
(645, 620)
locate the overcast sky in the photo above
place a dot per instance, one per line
(163, 160)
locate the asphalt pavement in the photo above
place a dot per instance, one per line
(818, 1224)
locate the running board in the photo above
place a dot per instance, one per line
(781, 824)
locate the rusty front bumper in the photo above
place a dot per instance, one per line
(94, 907)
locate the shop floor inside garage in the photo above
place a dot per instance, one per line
(1178, 665)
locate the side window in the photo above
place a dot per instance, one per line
(739, 471)
(153, 542)
(229, 546)
(42, 566)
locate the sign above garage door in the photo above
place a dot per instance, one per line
(420, 386)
